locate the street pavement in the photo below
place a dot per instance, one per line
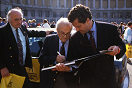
(129, 66)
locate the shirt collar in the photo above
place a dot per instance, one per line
(93, 28)
(65, 42)
(13, 29)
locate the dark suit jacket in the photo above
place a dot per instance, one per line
(9, 51)
(47, 58)
(97, 72)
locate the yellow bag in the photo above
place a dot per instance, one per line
(34, 74)
(129, 51)
(12, 81)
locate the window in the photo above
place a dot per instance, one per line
(33, 13)
(74, 2)
(129, 3)
(105, 15)
(69, 3)
(113, 4)
(61, 3)
(32, 2)
(105, 3)
(90, 3)
(54, 14)
(120, 15)
(113, 15)
(25, 2)
(47, 13)
(17, 1)
(39, 2)
(25, 12)
(120, 3)
(128, 15)
(97, 15)
(40, 13)
(54, 3)
(97, 3)
(47, 3)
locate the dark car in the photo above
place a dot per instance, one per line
(121, 72)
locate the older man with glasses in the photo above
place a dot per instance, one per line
(54, 52)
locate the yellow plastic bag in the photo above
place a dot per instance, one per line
(34, 74)
(12, 81)
(129, 51)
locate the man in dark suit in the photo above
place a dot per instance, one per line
(49, 57)
(14, 47)
(97, 72)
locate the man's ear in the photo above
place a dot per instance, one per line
(87, 21)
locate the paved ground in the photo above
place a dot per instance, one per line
(129, 66)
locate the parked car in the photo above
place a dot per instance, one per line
(121, 72)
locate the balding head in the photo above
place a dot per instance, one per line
(14, 17)
(13, 11)
(64, 28)
(63, 22)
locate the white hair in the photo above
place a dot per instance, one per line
(62, 21)
(17, 9)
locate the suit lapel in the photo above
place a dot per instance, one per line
(99, 35)
(11, 36)
(57, 42)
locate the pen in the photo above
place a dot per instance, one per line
(58, 53)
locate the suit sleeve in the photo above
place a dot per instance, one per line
(34, 33)
(45, 58)
(3, 57)
(118, 42)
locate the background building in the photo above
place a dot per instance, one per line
(103, 10)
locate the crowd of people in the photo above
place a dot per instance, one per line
(58, 49)
(32, 23)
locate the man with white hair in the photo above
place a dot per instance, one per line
(62, 78)
(14, 47)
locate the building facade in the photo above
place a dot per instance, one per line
(102, 10)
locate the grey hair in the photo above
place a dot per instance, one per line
(17, 9)
(62, 21)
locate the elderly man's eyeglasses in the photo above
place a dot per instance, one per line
(64, 34)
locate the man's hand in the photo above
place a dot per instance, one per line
(115, 50)
(4, 72)
(60, 59)
(62, 67)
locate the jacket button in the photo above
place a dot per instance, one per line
(54, 80)
(10, 48)
(56, 72)
(13, 64)
(10, 56)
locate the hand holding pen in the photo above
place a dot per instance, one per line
(60, 58)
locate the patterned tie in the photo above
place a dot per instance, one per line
(62, 49)
(92, 40)
(20, 48)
